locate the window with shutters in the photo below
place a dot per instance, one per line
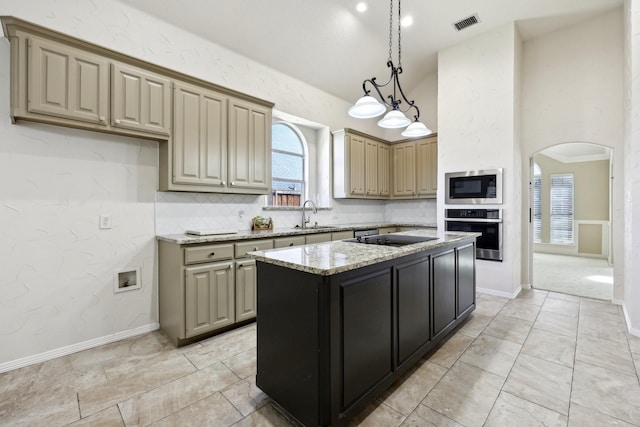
(537, 204)
(561, 201)
(287, 166)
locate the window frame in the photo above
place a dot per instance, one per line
(304, 156)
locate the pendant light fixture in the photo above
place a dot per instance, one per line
(368, 106)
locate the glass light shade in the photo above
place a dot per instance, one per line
(394, 119)
(416, 129)
(366, 108)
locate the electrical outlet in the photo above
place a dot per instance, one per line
(240, 216)
(105, 222)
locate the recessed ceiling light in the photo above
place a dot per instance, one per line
(407, 21)
(361, 7)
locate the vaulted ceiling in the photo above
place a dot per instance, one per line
(330, 45)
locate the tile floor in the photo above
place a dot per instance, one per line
(541, 359)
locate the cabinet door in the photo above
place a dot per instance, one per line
(199, 136)
(318, 238)
(404, 170)
(433, 167)
(366, 313)
(414, 312)
(65, 82)
(384, 170)
(466, 278)
(209, 298)
(423, 168)
(140, 100)
(371, 168)
(246, 280)
(444, 290)
(249, 164)
(356, 150)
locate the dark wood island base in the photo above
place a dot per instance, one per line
(328, 345)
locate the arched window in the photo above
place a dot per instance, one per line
(287, 166)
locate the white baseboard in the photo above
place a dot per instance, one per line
(499, 293)
(74, 348)
(632, 331)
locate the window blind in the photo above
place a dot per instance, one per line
(561, 200)
(537, 209)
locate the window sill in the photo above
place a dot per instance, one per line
(294, 208)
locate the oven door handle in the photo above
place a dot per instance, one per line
(485, 220)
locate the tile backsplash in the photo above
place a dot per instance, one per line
(178, 212)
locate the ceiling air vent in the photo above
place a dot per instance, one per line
(466, 22)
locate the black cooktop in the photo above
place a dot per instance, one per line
(390, 240)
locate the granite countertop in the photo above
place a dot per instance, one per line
(184, 239)
(330, 258)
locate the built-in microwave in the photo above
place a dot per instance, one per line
(473, 187)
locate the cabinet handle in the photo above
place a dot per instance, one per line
(233, 183)
(223, 183)
(255, 249)
(291, 244)
(102, 118)
(212, 254)
(117, 121)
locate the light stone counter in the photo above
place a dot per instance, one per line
(330, 258)
(184, 239)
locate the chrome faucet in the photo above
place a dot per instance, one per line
(305, 220)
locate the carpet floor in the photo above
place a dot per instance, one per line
(585, 277)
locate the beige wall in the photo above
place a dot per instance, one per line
(591, 189)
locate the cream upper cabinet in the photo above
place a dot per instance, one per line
(249, 155)
(199, 136)
(371, 167)
(384, 170)
(357, 163)
(66, 82)
(415, 168)
(404, 172)
(423, 168)
(140, 100)
(356, 166)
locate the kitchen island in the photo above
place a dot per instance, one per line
(339, 322)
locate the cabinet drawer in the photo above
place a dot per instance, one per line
(208, 253)
(254, 245)
(318, 238)
(387, 230)
(283, 242)
(341, 235)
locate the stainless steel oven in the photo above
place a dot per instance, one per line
(473, 187)
(485, 221)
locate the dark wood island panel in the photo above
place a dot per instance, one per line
(328, 345)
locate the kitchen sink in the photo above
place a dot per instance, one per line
(390, 240)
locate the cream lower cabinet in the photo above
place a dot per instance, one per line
(209, 298)
(245, 288)
(206, 287)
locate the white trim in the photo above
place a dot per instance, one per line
(74, 348)
(499, 293)
(632, 331)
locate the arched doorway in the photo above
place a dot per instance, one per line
(570, 230)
